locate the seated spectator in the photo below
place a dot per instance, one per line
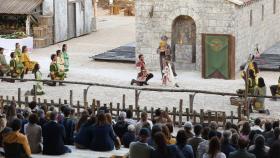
(242, 152)
(129, 118)
(34, 134)
(259, 149)
(226, 147)
(268, 133)
(166, 132)
(53, 137)
(120, 128)
(4, 130)
(140, 149)
(274, 151)
(275, 138)
(16, 144)
(181, 139)
(194, 142)
(228, 126)
(156, 128)
(205, 132)
(25, 119)
(203, 146)
(129, 136)
(252, 137)
(109, 119)
(275, 124)
(171, 130)
(245, 131)
(32, 105)
(188, 129)
(162, 150)
(82, 139)
(69, 126)
(144, 119)
(257, 125)
(83, 119)
(42, 119)
(234, 140)
(214, 149)
(102, 136)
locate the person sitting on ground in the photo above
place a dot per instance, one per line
(53, 137)
(102, 136)
(163, 150)
(194, 141)
(275, 89)
(156, 128)
(245, 130)
(214, 149)
(274, 151)
(66, 57)
(34, 134)
(69, 126)
(60, 60)
(164, 118)
(16, 69)
(188, 129)
(234, 140)
(252, 82)
(83, 119)
(257, 126)
(260, 90)
(226, 147)
(4, 67)
(16, 144)
(168, 136)
(181, 140)
(55, 72)
(25, 113)
(275, 138)
(82, 139)
(141, 149)
(28, 64)
(141, 66)
(268, 132)
(120, 128)
(38, 76)
(129, 136)
(259, 149)
(241, 152)
(129, 117)
(204, 146)
(143, 119)
(4, 130)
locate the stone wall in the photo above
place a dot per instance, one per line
(264, 32)
(210, 16)
(60, 21)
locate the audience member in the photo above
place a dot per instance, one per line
(275, 138)
(259, 149)
(144, 119)
(194, 142)
(242, 152)
(34, 134)
(129, 136)
(162, 150)
(69, 126)
(181, 140)
(166, 132)
(83, 119)
(257, 125)
(234, 140)
(268, 133)
(120, 128)
(16, 144)
(156, 128)
(274, 151)
(214, 149)
(226, 147)
(204, 146)
(129, 117)
(53, 137)
(245, 131)
(140, 149)
(188, 129)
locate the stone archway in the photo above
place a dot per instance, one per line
(183, 42)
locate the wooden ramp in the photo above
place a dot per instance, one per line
(125, 54)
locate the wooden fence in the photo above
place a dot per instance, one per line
(178, 114)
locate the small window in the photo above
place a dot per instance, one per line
(262, 12)
(251, 17)
(274, 6)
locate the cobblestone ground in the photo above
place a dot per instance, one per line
(115, 31)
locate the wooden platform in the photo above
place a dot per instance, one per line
(125, 54)
(77, 153)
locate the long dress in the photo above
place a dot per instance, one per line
(28, 64)
(39, 85)
(4, 67)
(260, 91)
(55, 72)
(15, 70)
(66, 61)
(60, 63)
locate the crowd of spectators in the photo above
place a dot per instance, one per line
(48, 130)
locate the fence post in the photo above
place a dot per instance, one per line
(26, 101)
(216, 117)
(201, 117)
(209, 117)
(98, 104)
(35, 93)
(93, 106)
(123, 101)
(78, 107)
(39, 101)
(71, 97)
(111, 108)
(224, 119)
(59, 101)
(188, 114)
(65, 102)
(194, 116)
(118, 109)
(2, 104)
(19, 97)
(191, 98)
(231, 117)
(174, 116)
(52, 103)
(152, 113)
(138, 113)
(239, 113)
(85, 97)
(137, 95)
(180, 112)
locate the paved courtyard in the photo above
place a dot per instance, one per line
(114, 31)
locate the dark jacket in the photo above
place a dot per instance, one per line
(194, 142)
(186, 150)
(173, 152)
(102, 138)
(53, 139)
(259, 153)
(241, 154)
(120, 128)
(69, 126)
(83, 137)
(227, 148)
(127, 138)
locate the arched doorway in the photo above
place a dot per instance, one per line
(183, 42)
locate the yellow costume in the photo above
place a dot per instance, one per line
(60, 63)
(28, 64)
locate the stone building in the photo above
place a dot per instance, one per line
(251, 22)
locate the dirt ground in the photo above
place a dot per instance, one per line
(114, 31)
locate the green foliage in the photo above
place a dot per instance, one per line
(15, 35)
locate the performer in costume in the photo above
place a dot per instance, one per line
(66, 57)
(166, 73)
(165, 53)
(38, 76)
(4, 67)
(55, 72)
(141, 78)
(28, 64)
(60, 60)
(15, 68)
(260, 90)
(141, 66)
